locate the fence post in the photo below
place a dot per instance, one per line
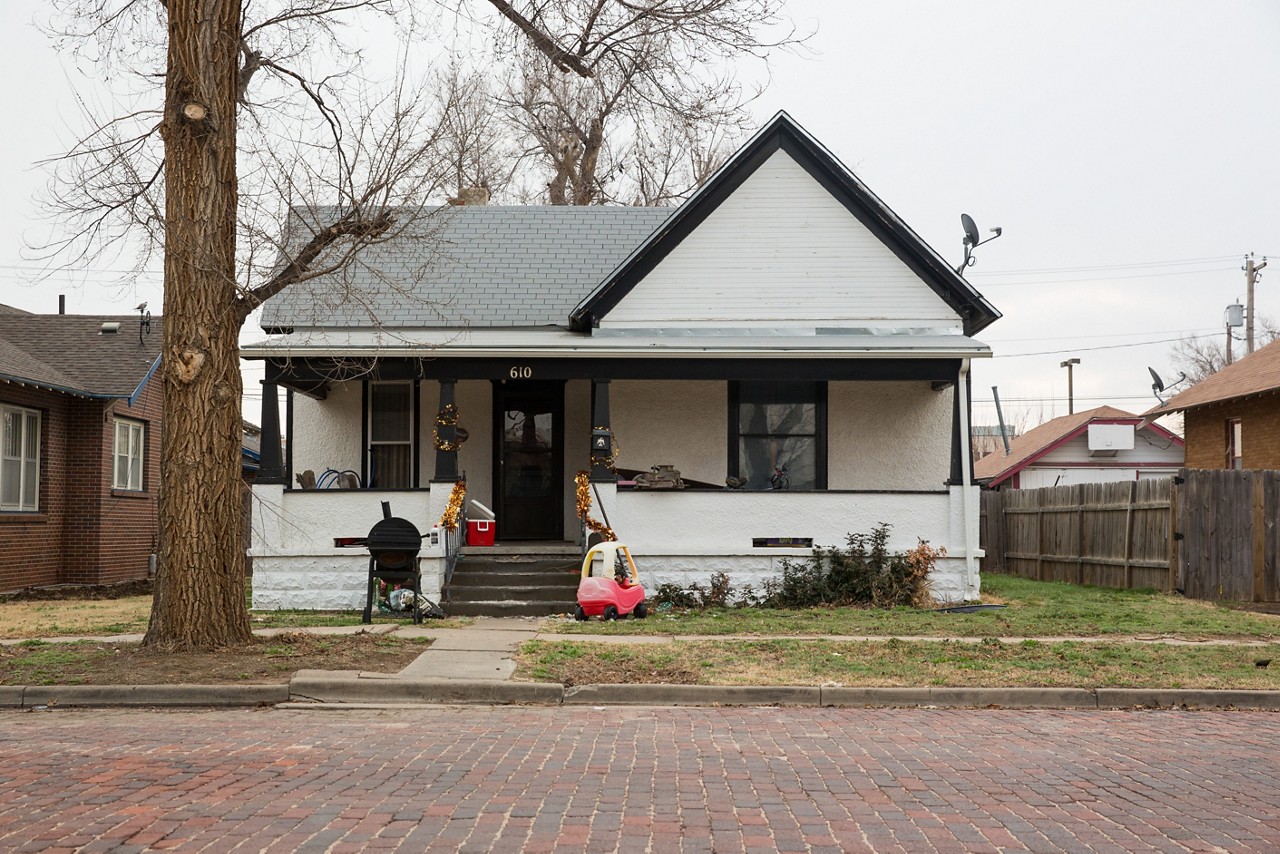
(1079, 498)
(1174, 483)
(1039, 535)
(1259, 538)
(1128, 535)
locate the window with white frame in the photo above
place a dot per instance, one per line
(128, 454)
(19, 459)
(1235, 444)
(391, 430)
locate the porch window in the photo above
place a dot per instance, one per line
(19, 459)
(391, 431)
(128, 455)
(1235, 444)
(778, 433)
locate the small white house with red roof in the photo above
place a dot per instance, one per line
(1099, 445)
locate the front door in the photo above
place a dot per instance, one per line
(529, 460)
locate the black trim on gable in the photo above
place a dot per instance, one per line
(783, 133)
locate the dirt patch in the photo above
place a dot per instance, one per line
(79, 591)
(264, 661)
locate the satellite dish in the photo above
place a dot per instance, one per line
(970, 230)
(1157, 383)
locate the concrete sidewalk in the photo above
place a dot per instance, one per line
(475, 665)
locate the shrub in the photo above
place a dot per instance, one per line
(865, 572)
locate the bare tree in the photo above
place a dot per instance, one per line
(1202, 356)
(631, 102)
(262, 114)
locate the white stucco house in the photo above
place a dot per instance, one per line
(782, 318)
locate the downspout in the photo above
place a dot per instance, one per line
(966, 477)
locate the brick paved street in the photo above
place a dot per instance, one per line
(541, 779)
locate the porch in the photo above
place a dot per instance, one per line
(864, 442)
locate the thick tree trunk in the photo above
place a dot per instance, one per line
(199, 592)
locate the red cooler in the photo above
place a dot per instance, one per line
(480, 532)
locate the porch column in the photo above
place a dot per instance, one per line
(446, 436)
(601, 434)
(270, 466)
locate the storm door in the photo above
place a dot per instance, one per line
(529, 460)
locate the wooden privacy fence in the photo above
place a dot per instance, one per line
(1211, 534)
(1107, 534)
(1229, 541)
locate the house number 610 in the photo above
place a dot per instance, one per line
(521, 373)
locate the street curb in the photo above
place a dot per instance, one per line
(30, 697)
(472, 691)
(1163, 698)
(692, 695)
(337, 691)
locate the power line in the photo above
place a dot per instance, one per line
(1100, 347)
(1104, 278)
(1173, 262)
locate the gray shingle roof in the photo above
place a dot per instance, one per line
(482, 266)
(69, 353)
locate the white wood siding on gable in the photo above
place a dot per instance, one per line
(1148, 447)
(781, 249)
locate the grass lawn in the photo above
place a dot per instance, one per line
(1034, 608)
(129, 615)
(991, 663)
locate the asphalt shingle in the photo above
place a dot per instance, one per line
(483, 266)
(70, 352)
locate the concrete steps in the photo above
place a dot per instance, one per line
(513, 585)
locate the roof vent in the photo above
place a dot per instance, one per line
(109, 328)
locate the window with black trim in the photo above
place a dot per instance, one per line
(19, 459)
(128, 453)
(778, 433)
(391, 435)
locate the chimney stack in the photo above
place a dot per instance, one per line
(62, 303)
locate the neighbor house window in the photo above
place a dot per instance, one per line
(1235, 445)
(128, 455)
(19, 459)
(778, 434)
(391, 435)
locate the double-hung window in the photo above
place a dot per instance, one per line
(19, 459)
(128, 454)
(391, 435)
(778, 433)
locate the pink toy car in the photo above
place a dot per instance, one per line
(610, 598)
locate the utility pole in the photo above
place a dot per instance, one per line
(1251, 271)
(1071, 397)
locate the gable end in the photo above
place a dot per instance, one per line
(782, 133)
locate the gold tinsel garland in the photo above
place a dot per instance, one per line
(583, 480)
(447, 417)
(452, 512)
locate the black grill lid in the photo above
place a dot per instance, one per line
(393, 533)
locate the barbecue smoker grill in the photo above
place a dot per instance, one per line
(393, 556)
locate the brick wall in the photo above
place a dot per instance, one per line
(1206, 433)
(30, 543)
(86, 532)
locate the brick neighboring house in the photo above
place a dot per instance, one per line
(1231, 419)
(80, 432)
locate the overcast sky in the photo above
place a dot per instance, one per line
(1129, 150)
